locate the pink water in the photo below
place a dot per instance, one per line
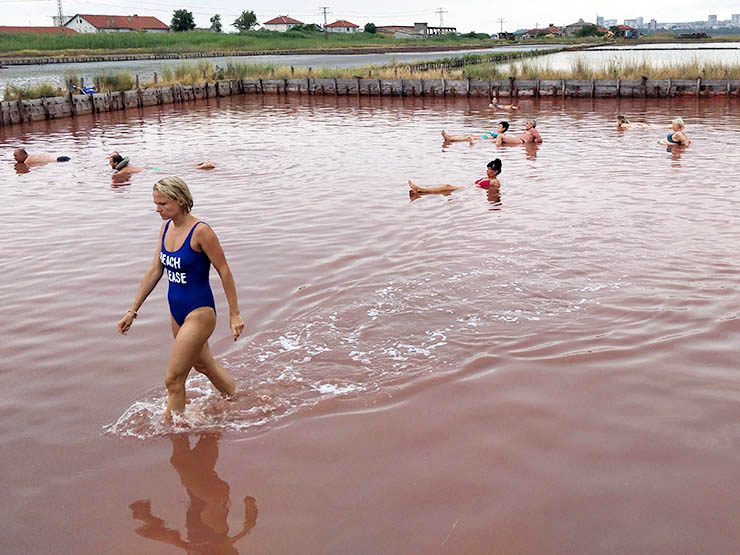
(550, 370)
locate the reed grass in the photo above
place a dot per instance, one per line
(612, 69)
(201, 71)
(41, 90)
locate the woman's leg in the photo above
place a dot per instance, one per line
(217, 374)
(189, 341)
(453, 139)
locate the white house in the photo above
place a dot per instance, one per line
(281, 23)
(85, 23)
(342, 26)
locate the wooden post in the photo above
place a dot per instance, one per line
(619, 87)
(285, 86)
(698, 86)
(468, 91)
(593, 87)
(444, 86)
(358, 87)
(155, 77)
(400, 92)
(670, 85)
(643, 86)
(563, 87)
(308, 82)
(137, 80)
(422, 86)
(292, 71)
(537, 88)
(380, 88)
(336, 87)
(45, 107)
(262, 90)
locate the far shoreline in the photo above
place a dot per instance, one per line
(84, 56)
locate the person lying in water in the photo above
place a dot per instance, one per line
(677, 136)
(22, 157)
(493, 169)
(494, 105)
(530, 135)
(623, 124)
(123, 167)
(488, 135)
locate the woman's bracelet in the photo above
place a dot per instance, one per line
(133, 312)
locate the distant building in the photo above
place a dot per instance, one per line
(610, 23)
(712, 20)
(627, 32)
(419, 30)
(45, 30)
(281, 23)
(85, 23)
(735, 20)
(600, 20)
(342, 26)
(573, 29)
(549, 31)
(637, 23)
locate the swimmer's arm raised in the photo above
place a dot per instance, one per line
(148, 283)
(208, 241)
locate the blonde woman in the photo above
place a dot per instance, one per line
(186, 248)
(677, 136)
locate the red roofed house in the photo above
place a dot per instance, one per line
(342, 26)
(83, 23)
(58, 30)
(281, 23)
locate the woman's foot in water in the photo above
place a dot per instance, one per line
(413, 186)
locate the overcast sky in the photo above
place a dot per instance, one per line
(468, 15)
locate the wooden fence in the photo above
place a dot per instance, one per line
(19, 111)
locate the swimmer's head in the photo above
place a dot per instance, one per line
(532, 122)
(504, 125)
(494, 166)
(622, 119)
(678, 123)
(20, 155)
(115, 160)
(175, 189)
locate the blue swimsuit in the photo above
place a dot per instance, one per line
(187, 271)
(670, 139)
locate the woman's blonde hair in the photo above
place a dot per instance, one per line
(678, 122)
(176, 189)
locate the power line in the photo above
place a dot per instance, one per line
(324, 9)
(441, 12)
(501, 21)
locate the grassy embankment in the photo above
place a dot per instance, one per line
(193, 72)
(29, 44)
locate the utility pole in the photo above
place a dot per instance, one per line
(441, 12)
(59, 13)
(501, 21)
(324, 9)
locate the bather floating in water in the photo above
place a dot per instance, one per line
(494, 105)
(22, 157)
(493, 169)
(530, 135)
(488, 135)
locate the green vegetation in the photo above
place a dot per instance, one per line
(612, 69)
(245, 22)
(30, 44)
(182, 20)
(42, 90)
(198, 72)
